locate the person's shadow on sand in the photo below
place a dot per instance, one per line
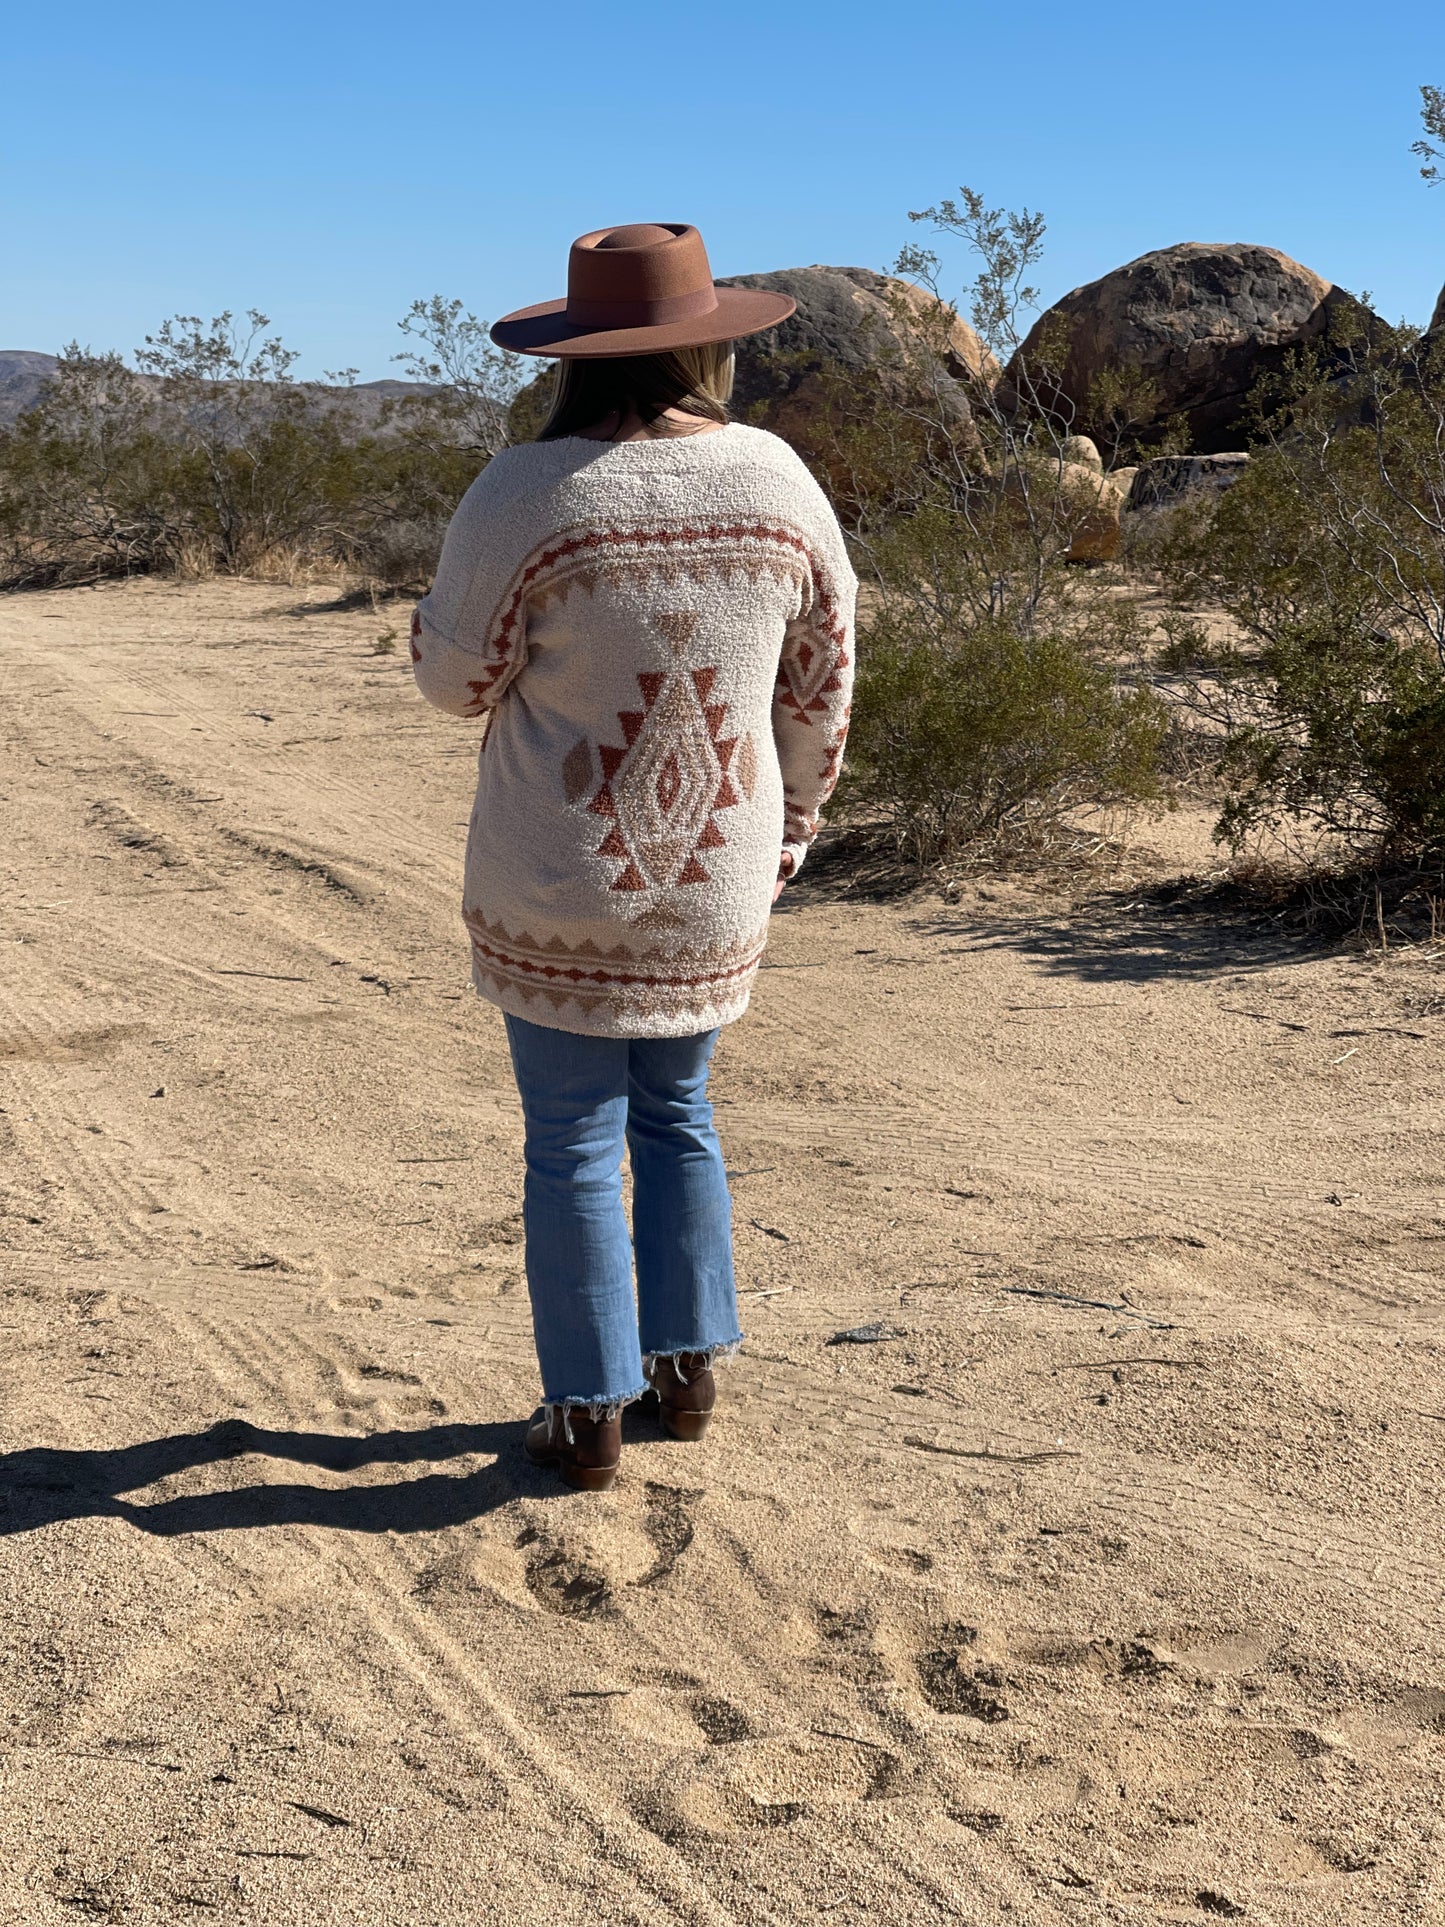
(43, 1484)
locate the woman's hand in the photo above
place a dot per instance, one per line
(778, 888)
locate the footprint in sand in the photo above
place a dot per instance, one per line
(905, 1559)
(751, 1783)
(952, 1682)
(889, 1554)
(567, 1586)
(720, 1722)
(668, 1520)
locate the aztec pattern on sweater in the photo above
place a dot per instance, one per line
(659, 635)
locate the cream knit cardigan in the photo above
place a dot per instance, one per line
(660, 634)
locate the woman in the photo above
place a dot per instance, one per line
(653, 609)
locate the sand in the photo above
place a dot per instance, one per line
(1105, 1585)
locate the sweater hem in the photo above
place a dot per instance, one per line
(554, 1010)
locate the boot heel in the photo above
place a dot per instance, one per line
(687, 1426)
(587, 1478)
(553, 1440)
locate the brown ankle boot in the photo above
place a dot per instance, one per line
(686, 1393)
(587, 1459)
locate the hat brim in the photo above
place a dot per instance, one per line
(544, 329)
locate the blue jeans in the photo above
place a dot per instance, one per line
(581, 1096)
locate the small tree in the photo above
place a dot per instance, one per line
(406, 480)
(254, 449)
(1328, 557)
(1431, 149)
(471, 382)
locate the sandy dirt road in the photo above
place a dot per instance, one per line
(1105, 1586)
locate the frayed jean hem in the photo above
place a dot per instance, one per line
(599, 1410)
(710, 1355)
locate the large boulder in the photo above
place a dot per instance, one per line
(896, 347)
(1193, 327)
(846, 318)
(1081, 449)
(1437, 320)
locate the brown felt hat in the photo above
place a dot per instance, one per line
(637, 291)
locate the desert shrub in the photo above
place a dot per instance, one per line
(1122, 415)
(396, 553)
(992, 736)
(531, 405)
(85, 479)
(1327, 688)
(998, 680)
(252, 453)
(209, 455)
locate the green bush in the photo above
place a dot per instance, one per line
(1327, 691)
(991, 736)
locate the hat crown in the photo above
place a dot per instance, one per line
(643, 234)
(637, 276)
(641, 288)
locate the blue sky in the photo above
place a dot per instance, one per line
(327, 164)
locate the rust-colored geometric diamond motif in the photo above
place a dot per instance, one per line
(806, 675)
(664, 784)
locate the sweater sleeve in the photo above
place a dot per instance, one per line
(468, 636)
(814, 690)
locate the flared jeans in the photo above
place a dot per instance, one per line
(583, 1100)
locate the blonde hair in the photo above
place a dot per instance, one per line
(591, 390)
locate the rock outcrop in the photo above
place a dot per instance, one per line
(1169, 479)
(1437, 320)
(1076, 498)
(1193, 327)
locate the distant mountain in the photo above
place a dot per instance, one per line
(25, 371)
